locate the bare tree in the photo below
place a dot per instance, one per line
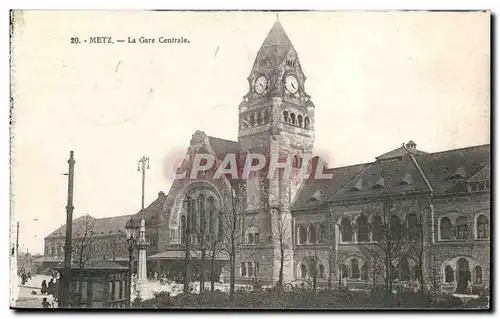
(115, 246)
(282, 239)
(234, 224)
(83, 242)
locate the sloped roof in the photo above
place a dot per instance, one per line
(388, 176)
(151, 214)
(276, 45)
(101, 226)
(222, 147)
(438, 167)
(327, 187)
(400, 152)
(482, 175)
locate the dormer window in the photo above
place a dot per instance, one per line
(358, 186)
(459, 173)
(406, 180)
(316, 195)
(379, 184)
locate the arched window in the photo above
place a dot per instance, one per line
(266, 116)
(377, 228)
(321, 271)
(354, 268)
(462, 228)
(250, 239)
(295, 162)
(482, 227)
(285, 116)
(200, 212)
(183, 229)
(404, 269)
(302, 236)
(363, 231)
(463, 264)
(252, 119)
(306, 122)
(364, 272)
(478, 275)
(395, 228)
(344, 271)
(445, 228)
(346, 230)
(411, 223)
(303, 271)
(415, 272)
(312, 234)
(299, 120)
(448, 274)
(211, 214)
(292, 118)
(220, 226)
(243, 269)
(250, 269)
(322, 233)
(260, 118)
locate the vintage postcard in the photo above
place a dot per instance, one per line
(250, 159)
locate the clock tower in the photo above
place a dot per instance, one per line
(276, 118)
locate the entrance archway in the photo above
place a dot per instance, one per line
(463, 275)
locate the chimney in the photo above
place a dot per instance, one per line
(411, 145)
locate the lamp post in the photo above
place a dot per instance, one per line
(68, 246)
(142, 166)
(142, 243)
(131, 230)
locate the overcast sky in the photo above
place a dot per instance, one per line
(377, 79)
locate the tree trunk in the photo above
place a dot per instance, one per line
(232, 274)
(212, 272)
(282, 266)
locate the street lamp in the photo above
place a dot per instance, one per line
(131, 231)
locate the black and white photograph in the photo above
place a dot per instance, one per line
(250, 160)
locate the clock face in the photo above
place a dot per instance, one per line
(260, 84)
(291, 84)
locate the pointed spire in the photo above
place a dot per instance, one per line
(276, 45)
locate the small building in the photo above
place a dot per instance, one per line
(99, 284)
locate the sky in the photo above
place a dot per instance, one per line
(378, 79)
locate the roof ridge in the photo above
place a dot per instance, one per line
(222, 139)
(421, 172)
(455, 149)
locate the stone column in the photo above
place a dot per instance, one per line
(142, 245)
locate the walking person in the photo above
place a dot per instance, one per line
(44, 287)
(50, 287)
(45, 303)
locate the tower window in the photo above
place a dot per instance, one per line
(306, 122)
(292, 118)
(285, 116)
(299, 120)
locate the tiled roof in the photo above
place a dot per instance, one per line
(482, 175)
(101, 226)
(400, 152)
(439, 167)
(401, 176)
(222, 147)
(382, 177)
(276, 45)
(307, 196)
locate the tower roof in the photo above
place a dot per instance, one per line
(276, 45)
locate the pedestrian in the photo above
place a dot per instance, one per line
(56, 290)
(50, 287)
(44, 287)
(469, 287)
(221, 278)
(29, 275)
(23, 278)
(45, 303)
